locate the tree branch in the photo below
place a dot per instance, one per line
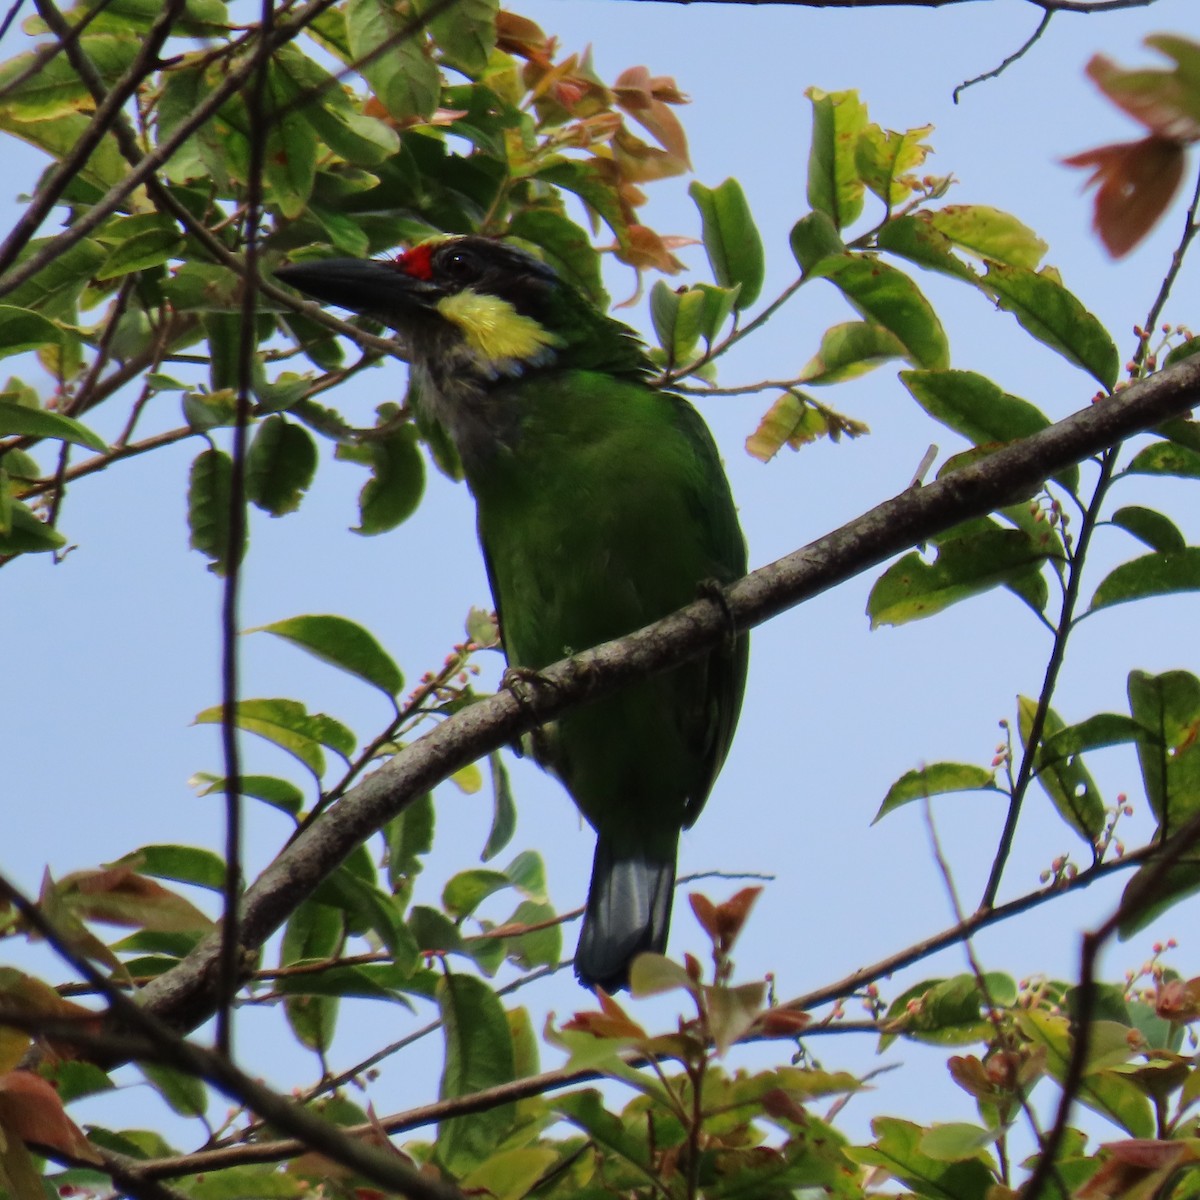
(184, 995)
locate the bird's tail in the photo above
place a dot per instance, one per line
(628, 911)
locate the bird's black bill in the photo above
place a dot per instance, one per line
(362, 285)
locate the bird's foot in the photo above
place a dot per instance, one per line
(524, 683)
(711, 589)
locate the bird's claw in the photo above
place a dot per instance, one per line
(711, 589)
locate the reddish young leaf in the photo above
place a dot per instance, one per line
(1164, 101)
(1135, 183)
(611, 1022)
(31, 1109)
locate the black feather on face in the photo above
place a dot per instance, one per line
(488, 267)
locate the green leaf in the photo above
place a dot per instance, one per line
(397, 480)
(1151, 527)
(834, 185)
(565, 246)
(343, 644)
(278, 793)
(1050, 313)
(504, 809)
(409, 839)
(678, 319)
(897, 1151)
(1118, 1099)
(1167, 707)
(1165, 458)
(359, 139)
(1067, 782)
(915, 239)
(1157, 574)
(465, 891)
(958, 1141)
(937, 779)
(290, 726)
(466, 35)
(208, 510)
(38, 422)
(528, 874)
(1093, 733)
(149, 248)
(403, 77)
(280, 466)
(479, 1054)
(888, 298)
(586, 1110)
(369, 908)
(731, 239)
(975, 407)
(22, 329)
(184, 864)
(850, 350)
(1155, 890)
(511, 1174)
(990, 234)
(28, 534)
(912, 588)
(184, 1094)
(313, 934)
(539, 947)
(813, 239)
(883, 157)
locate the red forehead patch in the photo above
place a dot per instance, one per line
(417, 262)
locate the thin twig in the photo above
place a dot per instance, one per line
(1016, 56)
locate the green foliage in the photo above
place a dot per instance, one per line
(424, 120)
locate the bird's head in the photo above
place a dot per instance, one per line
(471, 306)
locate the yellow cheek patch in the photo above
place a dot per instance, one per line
(495, 332)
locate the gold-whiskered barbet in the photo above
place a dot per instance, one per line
(602, 506)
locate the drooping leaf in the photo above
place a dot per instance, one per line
(1151, 527)
(835, 187)
(278, 793)
(403, 77)
(208, 509)
(850, 350)
(280, 465)
(1166, 458)
(1053, 315)
(41, 423)
(936, 779)
(1066, 780)
(990, 234)
(504, 809)
(479, 1054)
(27, 533)
(341, 643)
(897, 1151)
(1157, 574)
(1167, 707)
(290, 726)
(397, 480)
(731, 239)
(982, 412)
(965, 566)
(888, 298)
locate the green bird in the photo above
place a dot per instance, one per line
(602, 506)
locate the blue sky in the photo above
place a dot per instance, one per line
(112, 652)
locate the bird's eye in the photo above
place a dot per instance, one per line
(460, 265)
